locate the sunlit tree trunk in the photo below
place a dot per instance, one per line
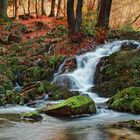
(65, 8)
(42, 7)
(52, 13)
(59, 7)
(3, 8)
(29, 4)
(16, 9)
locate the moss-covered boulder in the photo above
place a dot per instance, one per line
(32, 116)
(127, 100)
(77, 105)
(117, 71)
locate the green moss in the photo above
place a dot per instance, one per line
(5, 70)
(135, 106)
(75, 102)
(30, 114)
(127, 100)
(42, 87)
(2, 90)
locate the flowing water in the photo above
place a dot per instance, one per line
(82, 128)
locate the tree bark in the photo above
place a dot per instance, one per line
(3, 8)
(59, 7)
(16, 9)
(36, 8)
(42, 7)
(65, 8)
(52, 13)
(78, 20)
(104, 13)
(70, 16)
(29, 4)
(103, 20)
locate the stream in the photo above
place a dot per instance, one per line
(95, 127)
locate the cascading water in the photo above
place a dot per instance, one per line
(82, 79)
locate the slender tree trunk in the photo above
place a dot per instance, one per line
(16, 9)
(78, 20)
(65, 8)
(36, 8)
(107, 13)
(3, 8)
(42, 7)
(29, 4)
(59, 7)
(70, 16)
(52, 13)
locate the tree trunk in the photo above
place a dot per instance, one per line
(78, 20)
(103, 20)
(16, 9)
(65, 8)
(70, 16)
(42, 7)
(52, 14)
(107, 13)
(3, 8)
(59, 7)
(29, 4)
(104, 13)
(36, 8)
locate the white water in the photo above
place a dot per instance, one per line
(82, 79)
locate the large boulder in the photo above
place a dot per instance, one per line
(117, 71)
(77, 105)
(127, 100)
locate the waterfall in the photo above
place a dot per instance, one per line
(82, 79)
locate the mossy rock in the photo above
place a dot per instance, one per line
(77, 105)
(12, 97)
(134, 124)
(120, 70)
(55, 92)
(32, 116)
(127, 100)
